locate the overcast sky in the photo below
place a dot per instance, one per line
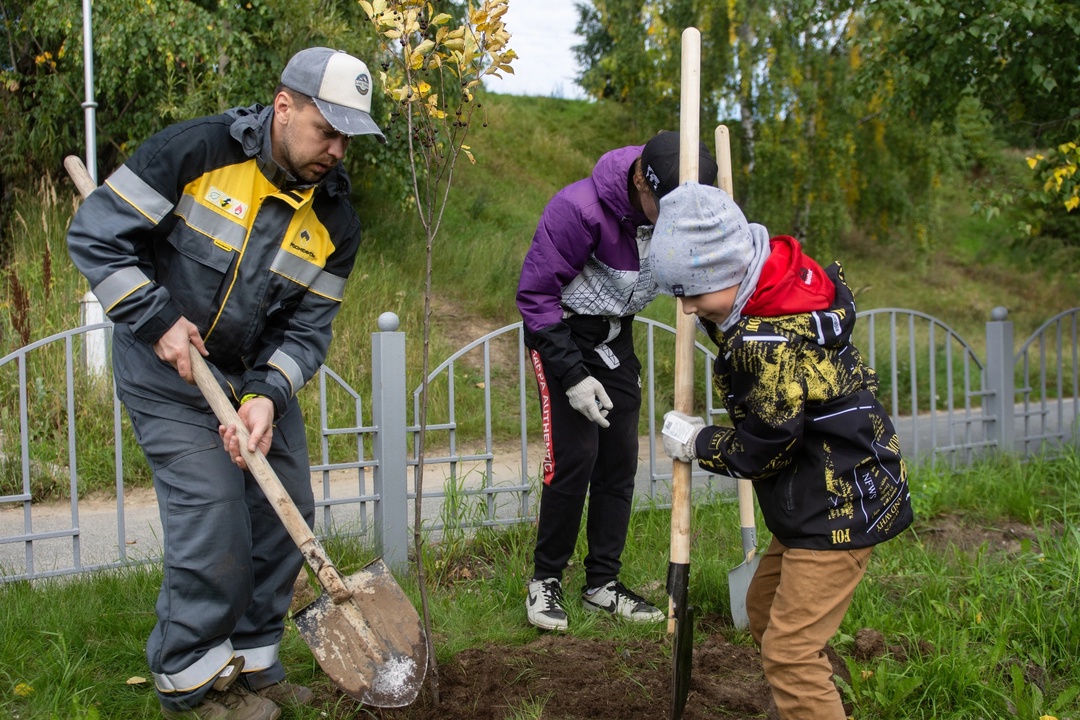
(542, 33)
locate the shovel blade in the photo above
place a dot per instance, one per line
(738, 584)
(682, 650)
(372, 646)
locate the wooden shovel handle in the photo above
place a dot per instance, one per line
(268, 480)
(79, 175)
(745, 488)
(724, 175)
(689, 128)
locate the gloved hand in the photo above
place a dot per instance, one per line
(679, 435)
(590, 399)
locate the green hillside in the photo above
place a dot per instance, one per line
(531, 147)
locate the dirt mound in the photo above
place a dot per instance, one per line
(580, 679)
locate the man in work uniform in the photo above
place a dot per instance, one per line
(584, 278)
(233, 233)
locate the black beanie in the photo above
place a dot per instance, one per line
(660, 163)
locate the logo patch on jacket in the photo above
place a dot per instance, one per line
(224, 201)
(301, 247)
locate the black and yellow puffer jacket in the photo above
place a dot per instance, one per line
(808, 429)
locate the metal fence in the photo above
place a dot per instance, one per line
(949, 404)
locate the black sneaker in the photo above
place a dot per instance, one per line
(544, 604)
(616, 599)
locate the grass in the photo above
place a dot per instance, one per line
(987, 630)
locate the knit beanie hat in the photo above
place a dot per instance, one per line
(660, 163)
(702, 243)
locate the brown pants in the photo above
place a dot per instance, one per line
(796, 602)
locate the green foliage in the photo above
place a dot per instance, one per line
(1018, 57)
(155, 62)
(1058, 196)
(817, 153)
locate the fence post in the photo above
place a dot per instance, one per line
(1000, 385)
(94, 343)
(389, 443)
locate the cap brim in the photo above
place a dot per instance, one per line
(349, 121)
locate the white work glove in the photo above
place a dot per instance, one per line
(679, 434)
(590, 399)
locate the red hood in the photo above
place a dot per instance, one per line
(790, 283)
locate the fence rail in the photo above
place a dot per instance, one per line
(949, 405)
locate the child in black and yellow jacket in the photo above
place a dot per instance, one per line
(807, 428)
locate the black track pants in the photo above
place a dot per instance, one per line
(583, 458)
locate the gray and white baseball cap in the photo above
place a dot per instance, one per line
(341, 86)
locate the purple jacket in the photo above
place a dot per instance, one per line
(588, 264)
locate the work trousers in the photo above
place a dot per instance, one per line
(796, 603)
(229, 563)
(582, 459)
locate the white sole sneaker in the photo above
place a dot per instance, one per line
(616, 599)
(544, 604)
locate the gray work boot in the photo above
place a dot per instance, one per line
(229, 700)
(287, 693)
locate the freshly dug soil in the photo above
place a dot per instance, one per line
(581, 679)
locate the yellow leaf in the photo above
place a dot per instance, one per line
(136, 680)
(1071, 203)
(468, 155)
(1032, 162)
(23, 690)
(368, 9)
(441, 19)
(425, 47)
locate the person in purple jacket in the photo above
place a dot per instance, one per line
(584, 278)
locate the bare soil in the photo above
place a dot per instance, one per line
(573, 678)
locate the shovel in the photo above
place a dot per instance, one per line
(739, 578)
(680, 614)
(363, 630)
